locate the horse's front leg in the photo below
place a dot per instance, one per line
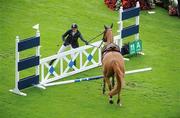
(109, 86)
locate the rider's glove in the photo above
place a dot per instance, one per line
(86, 43)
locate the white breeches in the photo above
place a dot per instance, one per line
(63, 48)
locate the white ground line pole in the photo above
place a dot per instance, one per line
(138, 70)
(97, 77)
(126, 59)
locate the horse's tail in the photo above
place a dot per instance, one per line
(119, 74)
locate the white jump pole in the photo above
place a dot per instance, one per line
(138, 70)
(96, 77)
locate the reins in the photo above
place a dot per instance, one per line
(95, 38)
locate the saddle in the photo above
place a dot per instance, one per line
(110, 47)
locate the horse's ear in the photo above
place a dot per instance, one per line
(105, 26)
(111, 25)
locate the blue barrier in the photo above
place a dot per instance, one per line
(28, 43)
(28, 81)
(131, 30)
(131, 12)
(28, 63)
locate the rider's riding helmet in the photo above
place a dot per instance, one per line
(74, 25)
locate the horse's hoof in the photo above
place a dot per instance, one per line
(110, 101)
(120, 105)
(118, 101)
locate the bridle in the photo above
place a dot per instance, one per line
(95, 38)
(105, 38)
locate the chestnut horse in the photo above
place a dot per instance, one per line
(113, 65)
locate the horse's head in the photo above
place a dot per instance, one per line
(108, 35)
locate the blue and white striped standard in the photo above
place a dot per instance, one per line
(129, 30)
(23, 64)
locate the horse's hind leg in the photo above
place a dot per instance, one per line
(109, 86)
(104, 86)
(118, 100)
(113, 82)
(110, 100)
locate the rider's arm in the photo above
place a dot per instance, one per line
(65, 34)
(81, 37)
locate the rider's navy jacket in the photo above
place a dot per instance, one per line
(69, 38)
